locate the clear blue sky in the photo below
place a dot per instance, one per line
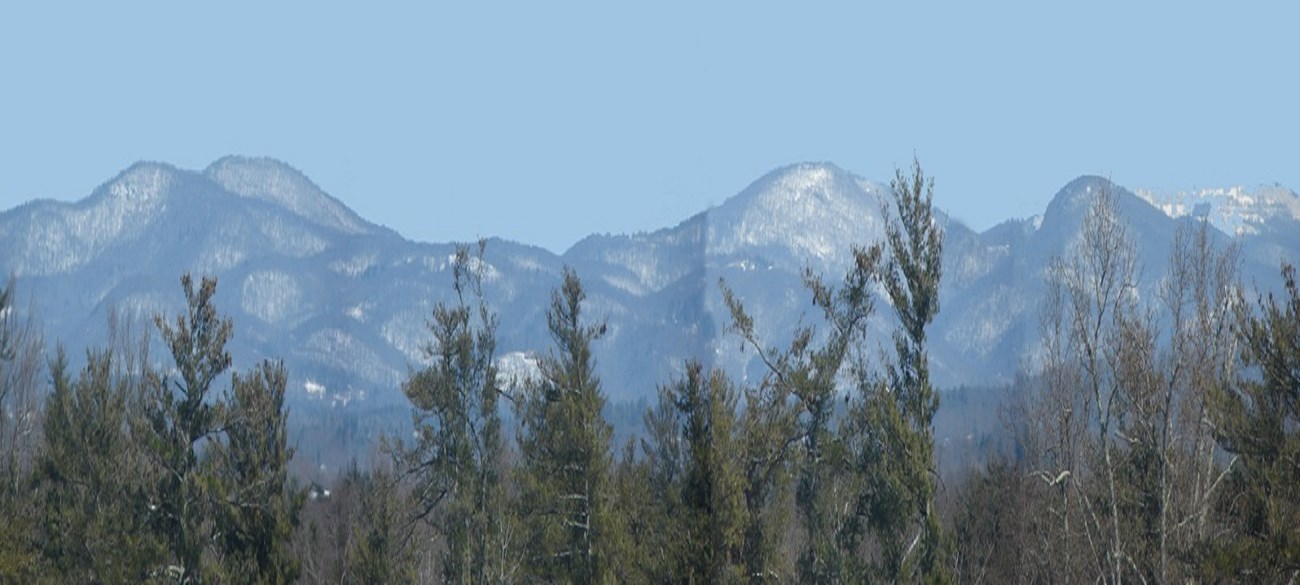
(546, 121)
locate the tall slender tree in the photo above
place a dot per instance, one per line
(181, 415)
(696, 460)
(565, 443)
(457, 462)
(899, 413)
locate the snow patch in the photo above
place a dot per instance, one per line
(1233, 210)
(517, 369)
(354, 266)
(271, 296)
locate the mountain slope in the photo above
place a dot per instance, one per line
(344, 302)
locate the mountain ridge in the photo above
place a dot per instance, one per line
(344, 300)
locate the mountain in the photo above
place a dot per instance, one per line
(345, 302)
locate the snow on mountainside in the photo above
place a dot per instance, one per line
(816, 211)
(61, 237)
(345, 302)
(1234, 210)
(271, 180)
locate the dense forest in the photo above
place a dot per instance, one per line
(1137, 447)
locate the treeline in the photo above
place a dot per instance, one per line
(126, 472)
(1154, 440)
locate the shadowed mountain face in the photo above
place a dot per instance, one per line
(344, 302)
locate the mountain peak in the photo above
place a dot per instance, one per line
(142, 183)
(276, 182)
(816, 210)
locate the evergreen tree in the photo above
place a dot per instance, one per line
(90, 478)
(636, 524)
(697, 463)
(1257, 420)
(899, 459)
(821, 496)
(374, 554)
(808, 376)
(181, 414)
(457, 461)
(663, 515)
(564, 441)
(257, 503)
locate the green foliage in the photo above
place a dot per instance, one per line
(637, 533)
(897, 461)
(770, 434)
(91, 478)
(457, 461)
(696, 478)
(564, 441)
(180, 416)
(256, 502)
(1257, 420)
(374, 554)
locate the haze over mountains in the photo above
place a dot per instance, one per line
(344, 301)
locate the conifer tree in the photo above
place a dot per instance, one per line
(795, 406)
(695, 457)
(90, 477)
(457, 462)
(564, 441)
(257, 502)
(900, 464)
(1257, 420)
(181, 415)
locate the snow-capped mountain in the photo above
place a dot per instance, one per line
(1235, 210)
(345, 302)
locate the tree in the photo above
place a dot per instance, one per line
(457, 461)
(564, 441)
(89, 476)
(809, 372)
(257, 503)
(898, 458)
(638, 524)
(769, 438)
(1169, 472)
(1257, 419)
(181, 414)
(352, 532)
(694, 455)
(373, 553)
(21, 348)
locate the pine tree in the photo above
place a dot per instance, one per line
(457, 462)
(1257, 420)
(899, 460)
(564, 441)
(374, 555)
(181, 414)
(790, 425)
(695, 464)
(257, 502)
(91, 478)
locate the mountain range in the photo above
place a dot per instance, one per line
(344, 302)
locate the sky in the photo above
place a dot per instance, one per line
(544, 122)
